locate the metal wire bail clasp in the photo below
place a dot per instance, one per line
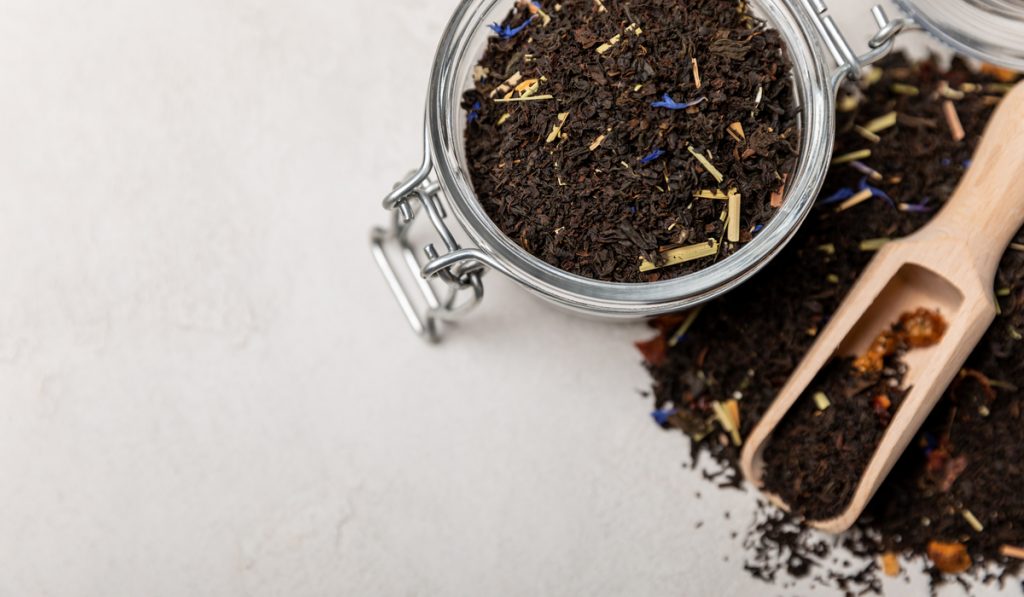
(457, 268)
(851, 64)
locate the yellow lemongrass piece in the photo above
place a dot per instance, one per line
(1011, 551)
(696, 73)
(597, 142)
(556, 130)
(857, 199)
(508, 84)
(707, 164)
(828, 249)
(1017, 247)
(874, 244)
(600, 6)
(601, 49)
(972, 520)
(712, 194)
(821, 400)
(526, 88)
(733, 233)
(682, 255)
(638, 87)
(956, 128)
(881, 123)
(687, 324)
(904, 89)
(736, 129)
(634, 29)
(726, 421)
(504, 118)
(949, 93)
(532, 98)
(732, 405)
(853, 156)
(848, 103)
(872, 76)
(480, 73)
(863, 132)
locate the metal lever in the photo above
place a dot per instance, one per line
(458, 268)
(851, 65)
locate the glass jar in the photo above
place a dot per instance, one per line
(821, 60)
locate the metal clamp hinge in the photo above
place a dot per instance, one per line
(851, 65)
(459, 269)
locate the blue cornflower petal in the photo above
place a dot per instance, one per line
(919, 208)
(758, 228)
(667, 102)
(506, 32)
(967, 164)
(647, 159)
(875, 191)
(474, 113)
(661, 416)
(841, 195)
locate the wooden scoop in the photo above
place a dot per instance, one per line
(949, 266)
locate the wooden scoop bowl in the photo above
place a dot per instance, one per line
(949, 266)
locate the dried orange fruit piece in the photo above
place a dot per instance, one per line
(923, 327)
(950, 558)
(890, 563)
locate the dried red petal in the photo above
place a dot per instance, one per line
(953, 469)
(654, 350)
(666, 324)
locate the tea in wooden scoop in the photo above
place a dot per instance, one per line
(947, 267)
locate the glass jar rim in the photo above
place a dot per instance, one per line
(815, 85)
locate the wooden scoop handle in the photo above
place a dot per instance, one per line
(987, 208)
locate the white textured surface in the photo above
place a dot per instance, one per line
(205, 388)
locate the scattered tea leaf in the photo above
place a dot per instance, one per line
(779, 194)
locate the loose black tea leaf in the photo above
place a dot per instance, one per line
(958, 487)
(591, 127)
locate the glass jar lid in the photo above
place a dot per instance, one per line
(989, 30)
